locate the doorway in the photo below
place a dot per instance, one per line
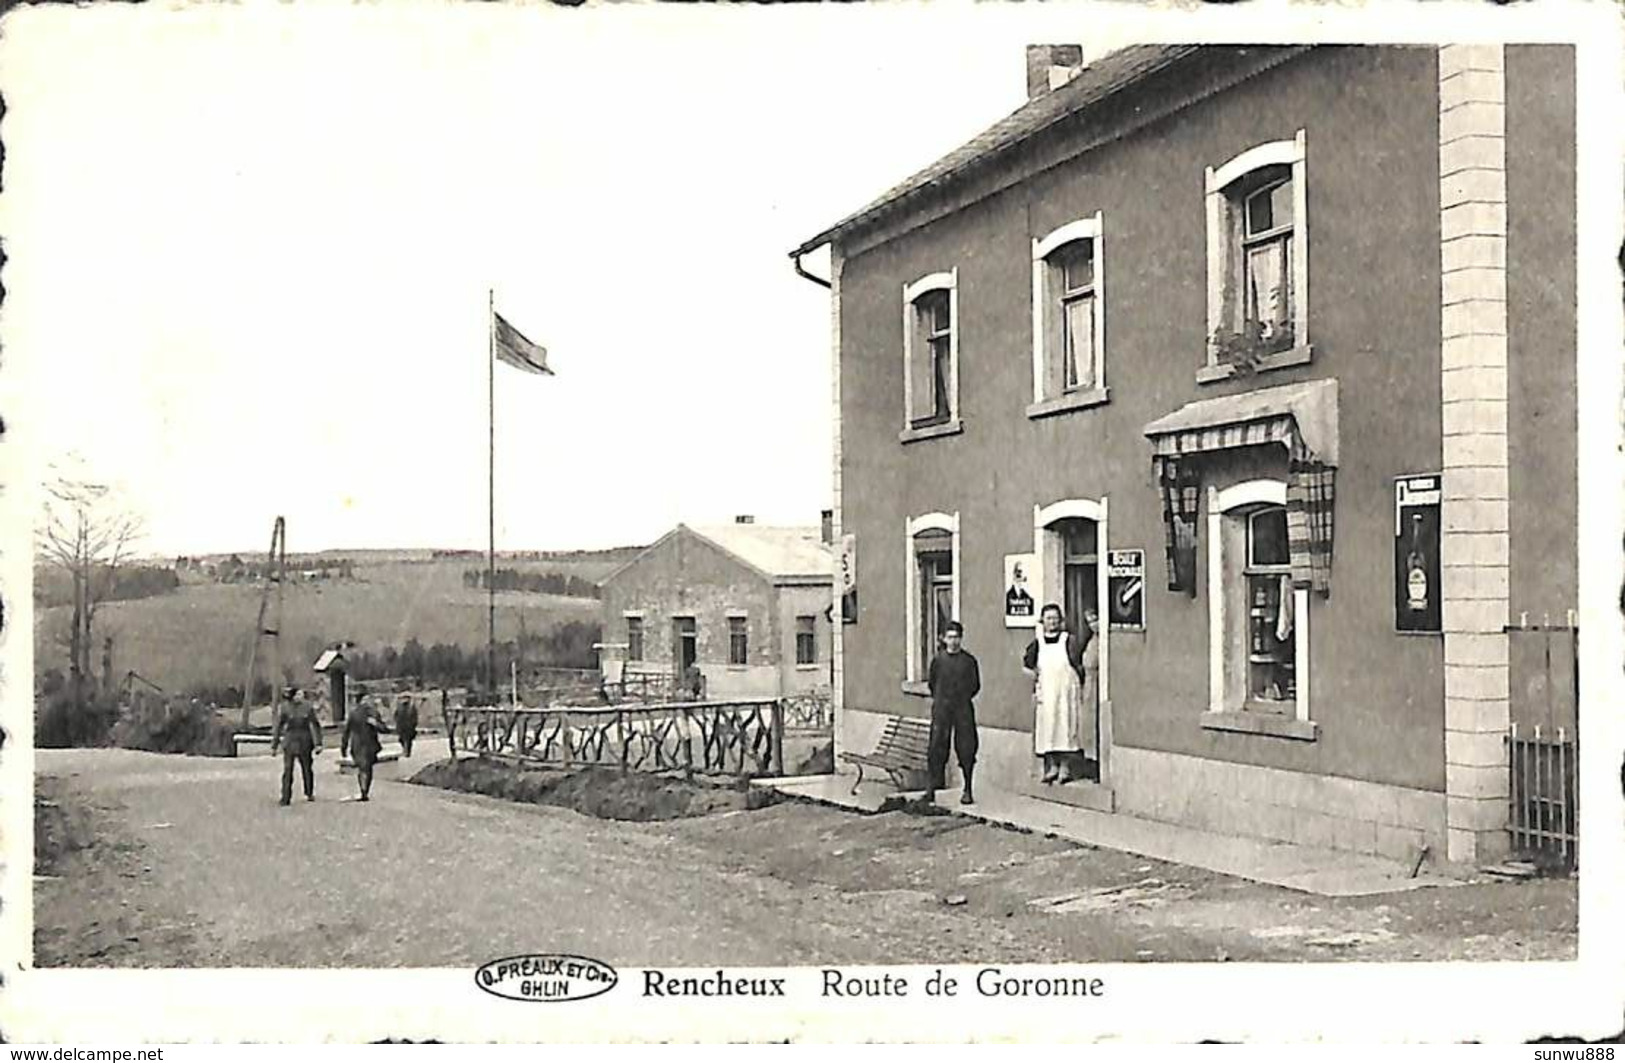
(1069, 538)
(685, 644)
(1080, 566)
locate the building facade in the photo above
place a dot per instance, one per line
(747, 604)
(1268, 355)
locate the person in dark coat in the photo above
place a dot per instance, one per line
(955, 679)
(361, 743)
(406, 723)
(298, 733)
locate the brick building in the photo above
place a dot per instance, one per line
(1269, 354)
(748, 603)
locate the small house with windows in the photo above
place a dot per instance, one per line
(1266, 356)
(746, 604)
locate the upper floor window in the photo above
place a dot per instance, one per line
(738, 640)
(1258, 269)
(1069, 360)
(806, 640)
(634, 638)
(931, 355)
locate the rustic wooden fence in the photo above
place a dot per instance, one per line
(812, 712)
(741, 737)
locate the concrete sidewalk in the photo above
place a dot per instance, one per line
(1326, 872)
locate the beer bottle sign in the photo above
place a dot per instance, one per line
(1416, 575)
(1417, 501)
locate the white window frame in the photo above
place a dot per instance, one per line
(1091, 229)
(1224, 218)
(1223, 574)
(934, 282)
(943, 522)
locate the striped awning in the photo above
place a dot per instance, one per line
(1306, 412)
(1301, 417)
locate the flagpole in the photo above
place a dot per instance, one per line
(491, 491)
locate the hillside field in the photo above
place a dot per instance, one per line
(201, 633)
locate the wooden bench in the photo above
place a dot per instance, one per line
(901, 749)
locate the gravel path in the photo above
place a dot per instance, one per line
(198, 865)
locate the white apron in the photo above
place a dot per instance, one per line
(1062, 724)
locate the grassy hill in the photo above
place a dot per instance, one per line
(202, 633)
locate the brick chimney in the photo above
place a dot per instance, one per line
(744, 518)
(1049, 66)
(826, 526)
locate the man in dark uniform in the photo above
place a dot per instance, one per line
(406, 723)
(361, 730)
(298, 733)
(954, 679)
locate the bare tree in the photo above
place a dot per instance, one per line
(87, 532)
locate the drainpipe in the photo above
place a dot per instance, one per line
(795, 260)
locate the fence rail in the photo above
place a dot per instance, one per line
(809, 712)
(643, 687)
(1545, 812)
(743, 737)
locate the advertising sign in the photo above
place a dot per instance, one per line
(1019, 608)
(1125, 590)
(1416, 553)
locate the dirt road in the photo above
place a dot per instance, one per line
(194, 863)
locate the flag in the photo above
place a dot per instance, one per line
(515, 350)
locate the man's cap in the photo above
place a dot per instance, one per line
(954, 627)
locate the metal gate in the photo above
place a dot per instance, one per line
(1545, 814)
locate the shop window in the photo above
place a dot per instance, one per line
(931, 356)
(1258, 250)
(634, 638)
(1069, 369)
(1268, 608)
(1258, 620)
(738, 640)
(806, 640)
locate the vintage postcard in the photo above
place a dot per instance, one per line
(901, 522)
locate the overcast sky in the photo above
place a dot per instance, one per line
(251, 252)
(250, 248)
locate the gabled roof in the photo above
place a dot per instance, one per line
(784, 552)
(779, 553)
(1107, 75)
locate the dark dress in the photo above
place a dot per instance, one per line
(406, 726)
(361, 743)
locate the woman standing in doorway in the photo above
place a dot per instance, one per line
(1064, 668)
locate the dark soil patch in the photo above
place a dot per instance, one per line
(96, 901)
(820, 761)
(62, 827)
(606, 793)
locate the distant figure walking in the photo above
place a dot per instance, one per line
(406, 723)
(298, 733)
(361, 743)
(954, 679)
